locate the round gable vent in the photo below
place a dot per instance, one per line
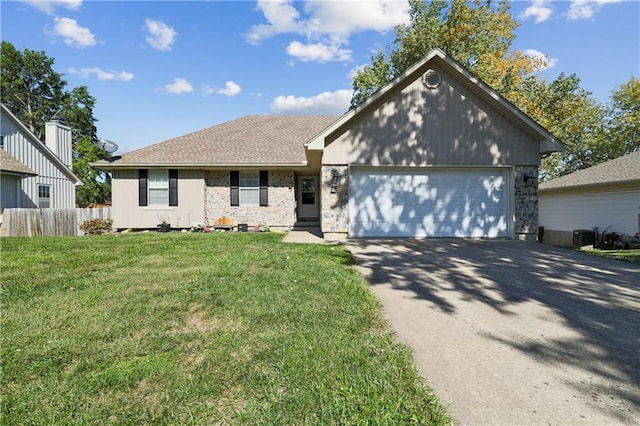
(431, 79)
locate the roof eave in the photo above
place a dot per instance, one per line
(109, 166)
(17, 173)
(548, 146)
(619, 184)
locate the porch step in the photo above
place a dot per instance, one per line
(307, 224)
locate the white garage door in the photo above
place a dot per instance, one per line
(456, 202)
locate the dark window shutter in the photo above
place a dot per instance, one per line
(264, 188)
(142, 187)
(173, 187)
(235, 187)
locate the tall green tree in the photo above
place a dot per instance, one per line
(623, 124)
(36, 93)
(78, 111)
(31, 89)
(477, 34)
(570, 113)
(592, 131)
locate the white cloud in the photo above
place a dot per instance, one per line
(282, 17)
(541, 10)
(230, 89)
(325, 103)
(49, 6)
(326, 25)
(318, 52)
(72, 33)
(178, 87)
(102, 75)
(536, 54)
(347, 17)
(585, 9)
(161, 36)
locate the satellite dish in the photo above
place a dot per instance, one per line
(108, 146)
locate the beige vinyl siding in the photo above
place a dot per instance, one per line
(63, 191)
(417, 126)
(618, 209)
(128, 214)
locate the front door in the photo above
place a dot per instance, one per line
(308, 197)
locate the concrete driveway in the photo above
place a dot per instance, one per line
(509, 332)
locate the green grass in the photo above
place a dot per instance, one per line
(627, 255)
(224, 328)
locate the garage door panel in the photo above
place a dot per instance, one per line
(443, 203)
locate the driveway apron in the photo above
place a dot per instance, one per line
(510, 332)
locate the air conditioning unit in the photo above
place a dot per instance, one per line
(583, 237)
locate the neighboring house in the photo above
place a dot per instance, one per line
(434, 153)
(35, 174)
(602, 197)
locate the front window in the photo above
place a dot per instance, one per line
(44, 196)
(159, 187)
(249, 188)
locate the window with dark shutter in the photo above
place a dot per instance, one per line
(235, 187)
(173, 187)
(264, 188)
(142, 187)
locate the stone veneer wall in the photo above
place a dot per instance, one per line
(335, 201)
(526, 202)
(279, 214)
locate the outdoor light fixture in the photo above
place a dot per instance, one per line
(335, 179)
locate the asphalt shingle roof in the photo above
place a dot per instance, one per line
(250, 140)
(625, 169)
(9, 163)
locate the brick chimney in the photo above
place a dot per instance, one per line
(57, 137)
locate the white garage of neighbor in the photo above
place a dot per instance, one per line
(429, 202)
(605, 197)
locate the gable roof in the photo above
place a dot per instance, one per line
(51, 156)
(621, 170)
(9, 163)
(548, 142)
(253, 140)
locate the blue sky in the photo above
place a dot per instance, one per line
(161, 69)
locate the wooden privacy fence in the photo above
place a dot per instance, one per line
(48, 222)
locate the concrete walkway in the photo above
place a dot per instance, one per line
(305, 235)
(514, 333)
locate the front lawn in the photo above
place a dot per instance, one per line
(628, 255)
(224, 328)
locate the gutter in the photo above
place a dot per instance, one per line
(108, 166)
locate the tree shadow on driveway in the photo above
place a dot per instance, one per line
(558, 307)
